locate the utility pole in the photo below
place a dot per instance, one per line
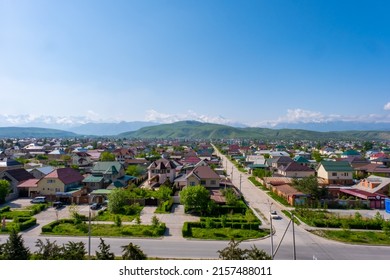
(294, 250)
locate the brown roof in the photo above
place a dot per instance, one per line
(294, 166)
(287, 189)
(204, 172)
(20, 174)
(66, 175)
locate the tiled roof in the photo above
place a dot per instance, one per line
(204, 172)
(66, 175)
(293, 166)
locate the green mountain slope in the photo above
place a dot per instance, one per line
(198, 130)
(36, 132)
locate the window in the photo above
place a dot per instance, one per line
(51, 181)
(213, 182)
(346, 174)
(202, 182)
(334, 174)
(192, 184)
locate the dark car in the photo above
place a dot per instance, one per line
(95, 206)
(58, 204)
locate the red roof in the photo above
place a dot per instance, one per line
(362, 194)
(65, 175)
(31, 183)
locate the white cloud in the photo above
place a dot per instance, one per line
(387, 106)
(153, 115)
(306, 116)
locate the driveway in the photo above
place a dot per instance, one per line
(174, 221)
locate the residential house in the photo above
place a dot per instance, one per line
(279, 161)
(15, 177)
(104, 173)
(351, 154)
(372, 169)
(8, 163)
(41, 172)
(295, 170)
(123, 154)
(61, 180)
(205, 176)
(335, 172)
(162, 170)
(81, 159)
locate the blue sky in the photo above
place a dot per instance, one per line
(253, 62)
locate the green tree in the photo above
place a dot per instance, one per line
(230, 196)
(14, 248)
(309, 185)
(256, 254)
(195, 198)
(107, 156)
(47, 250)
(135, 170)
(117, 198)
(155, 221)
(4, 190)
(117, 220)
(74, 251)
(104, 253)
(232, 251)
(132, 252)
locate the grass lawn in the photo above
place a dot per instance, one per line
(71, 229)
(227, 233)
(355, 237)
(106, 216)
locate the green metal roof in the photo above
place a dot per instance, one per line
(93, 179)
(351, 153)
(106, 167)
(101, 191)
(337, 166)
(300, 159)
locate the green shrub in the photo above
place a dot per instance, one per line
(186, 230)
(5, 209)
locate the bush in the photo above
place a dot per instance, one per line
(5, 209)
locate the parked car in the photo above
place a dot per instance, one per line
(274, 215)
(58, 204)
(39, 199)
(95, 206)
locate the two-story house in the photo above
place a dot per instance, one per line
(161, 170)
(205, 176)
(104, 173)
(295, 170)
(60, 180)
(335, 172)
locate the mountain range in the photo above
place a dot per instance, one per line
(192, 130)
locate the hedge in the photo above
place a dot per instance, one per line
(187, 227)
(49, 227)
(5, 209)
(26, 223)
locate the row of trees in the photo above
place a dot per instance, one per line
(14, 249)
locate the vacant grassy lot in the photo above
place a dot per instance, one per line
(356, 237)
(228, 233)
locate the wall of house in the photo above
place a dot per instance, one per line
(299, 174)
(50, 186)
(192, 181)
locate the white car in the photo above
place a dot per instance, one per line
(274, 215)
